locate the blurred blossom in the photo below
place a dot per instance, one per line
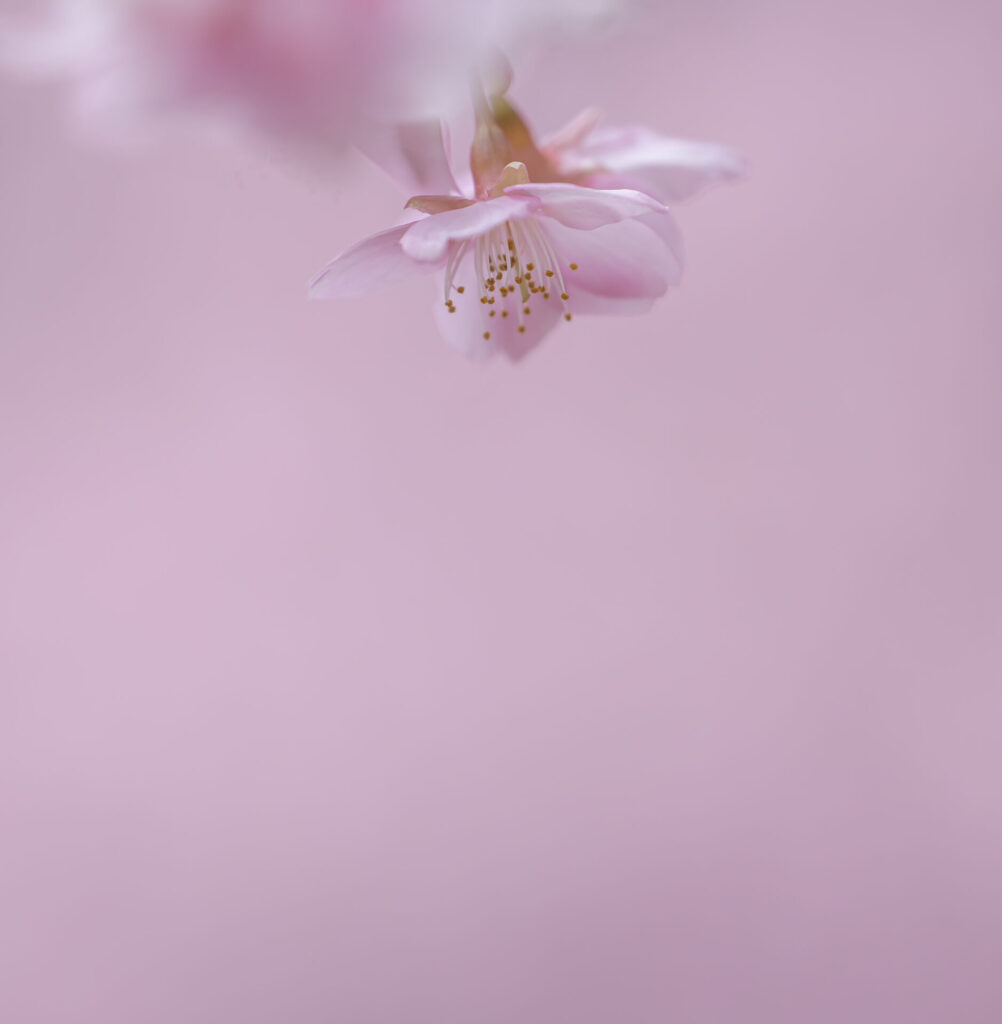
(320, 71)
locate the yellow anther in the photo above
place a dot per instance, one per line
(564, 296)
(568, 317)
(521, 330)
(461, 289)
(573, 266)
(549, 273)
(487, 335)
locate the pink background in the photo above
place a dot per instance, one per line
(655, 680)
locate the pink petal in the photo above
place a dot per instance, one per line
(465, 329)
(671, 169)
(428, 239)
(378, 262)
(666, 228)
(624, 261)
(586, 208)
(414, 155)
(575, 131)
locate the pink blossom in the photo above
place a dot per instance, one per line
(584, 152)
(518, 259)
(631, 156)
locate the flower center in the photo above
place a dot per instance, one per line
(515, 268)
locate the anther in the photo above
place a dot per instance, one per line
(564, 296)
(573, 266)
(487, 335)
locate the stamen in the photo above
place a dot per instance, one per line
(515, 259)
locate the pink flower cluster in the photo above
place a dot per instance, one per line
(577, 224)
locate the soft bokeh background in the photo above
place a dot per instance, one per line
(654, 680)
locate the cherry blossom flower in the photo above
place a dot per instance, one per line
(584, 152)
(321, 71)
(520, 258)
